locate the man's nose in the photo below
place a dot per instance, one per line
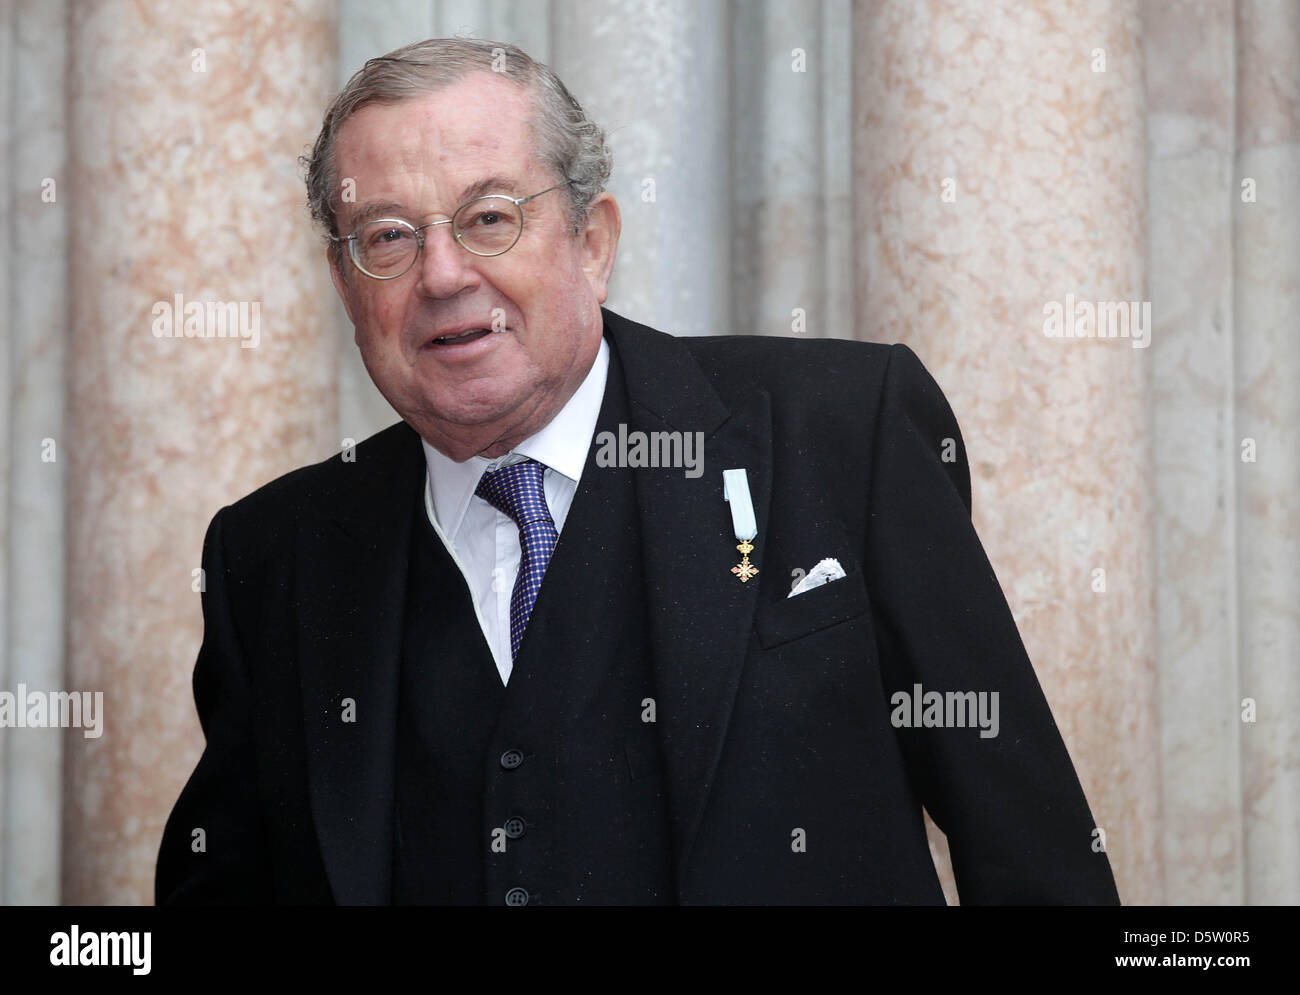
(445, 267)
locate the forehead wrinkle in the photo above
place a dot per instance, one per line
(372, 210)
(429, 148)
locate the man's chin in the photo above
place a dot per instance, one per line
(469, 426)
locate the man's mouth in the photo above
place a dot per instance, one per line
(460, 338)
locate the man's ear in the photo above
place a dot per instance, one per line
(600, 242)
(340, 281)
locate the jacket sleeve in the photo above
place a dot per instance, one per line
(213, 848)
(1019, 828)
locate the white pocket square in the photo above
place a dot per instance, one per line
(825, 571)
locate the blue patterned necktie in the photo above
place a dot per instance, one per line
(516, 491)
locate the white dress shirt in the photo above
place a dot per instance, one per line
(484, 542)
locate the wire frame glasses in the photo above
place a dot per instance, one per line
(386, 248)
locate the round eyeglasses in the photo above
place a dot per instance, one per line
(486, 226)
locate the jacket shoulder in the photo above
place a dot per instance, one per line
(778, 364)
(793, 363)
(842, 378)
(321, 485)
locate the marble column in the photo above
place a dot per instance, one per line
(999, 166)
(33, 188)
(7, 47)
(1265, 193)
(185, 121)
(792, 261)
(526, 24)
(1190, 144)
(656, 79)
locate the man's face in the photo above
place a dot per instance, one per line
(419, 160)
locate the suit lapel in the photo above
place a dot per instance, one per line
(353, 586)
(701, 615)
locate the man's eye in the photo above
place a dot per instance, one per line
(485, 219)
(387, 236)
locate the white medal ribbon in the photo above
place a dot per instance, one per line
(735, 491)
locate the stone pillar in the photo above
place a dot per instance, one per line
(1190, 145)
(654, 79)
(999, 158)
(792, 260)
(1267, 368)
(33, 185)
(185, 121)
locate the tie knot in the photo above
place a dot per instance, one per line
(516, 490)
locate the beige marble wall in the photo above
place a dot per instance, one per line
(181, 182)
(1046, 159)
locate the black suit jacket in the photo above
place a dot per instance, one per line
(787, 782)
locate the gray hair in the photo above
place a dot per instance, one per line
(565, 140)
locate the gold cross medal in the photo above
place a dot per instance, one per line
(744, 569)
(735, 491)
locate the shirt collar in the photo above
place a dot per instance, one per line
(560, 444)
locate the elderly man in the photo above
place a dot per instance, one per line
(483, 659)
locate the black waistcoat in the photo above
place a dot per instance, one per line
(547, 790)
